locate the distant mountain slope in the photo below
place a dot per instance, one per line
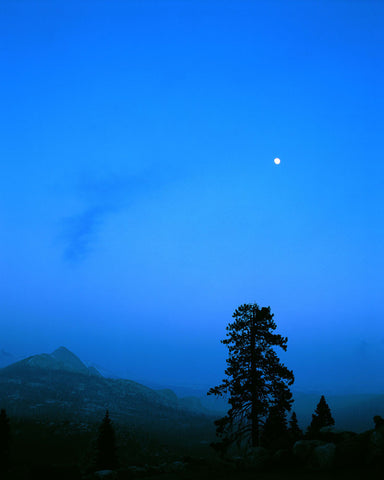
(61, 359)
(60, 387)
(217, 406)
(191, 403)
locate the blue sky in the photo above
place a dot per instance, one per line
(140, 204)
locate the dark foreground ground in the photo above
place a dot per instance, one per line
(212, 475)
(336, 475)
(65, 451)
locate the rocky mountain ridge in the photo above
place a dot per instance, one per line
(60, 360)
(59, 387)
(351, 412)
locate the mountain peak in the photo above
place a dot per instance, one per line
(69, 360)
(63, 349)
(62, 353)
(61, 359)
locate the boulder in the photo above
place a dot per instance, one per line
(283, 458)
(315, 454)
(259, 458)
(375, 448)
(377, 439)
(136, 471)
(323, 456)
(330, 434)
(353, 450)
(303, 449)
(154, 469)
(173, 467)
(362, 450)
(178, 466)
(106, 474)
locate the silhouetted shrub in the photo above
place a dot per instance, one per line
(106, 451)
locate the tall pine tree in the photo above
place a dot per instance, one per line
(256, 379)
(106, 451)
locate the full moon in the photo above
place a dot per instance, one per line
(277, 161)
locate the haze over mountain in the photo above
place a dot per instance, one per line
(358, 370)
(61, 359)
(61, 384)
(6, 358)
(65, 365)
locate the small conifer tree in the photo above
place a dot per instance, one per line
(5, 441)
(321, 418)
(275, 432)
(106, 451)
(294, 431)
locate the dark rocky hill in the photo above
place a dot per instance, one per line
(59, 387)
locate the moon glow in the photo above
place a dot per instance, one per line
(277, 161)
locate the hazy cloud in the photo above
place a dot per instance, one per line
(104, 197)
(80, 232)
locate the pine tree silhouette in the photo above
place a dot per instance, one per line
(256, 380)
(106, 451)
(321, 418)
(294, 431)
(5, 441)
(275, 432)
